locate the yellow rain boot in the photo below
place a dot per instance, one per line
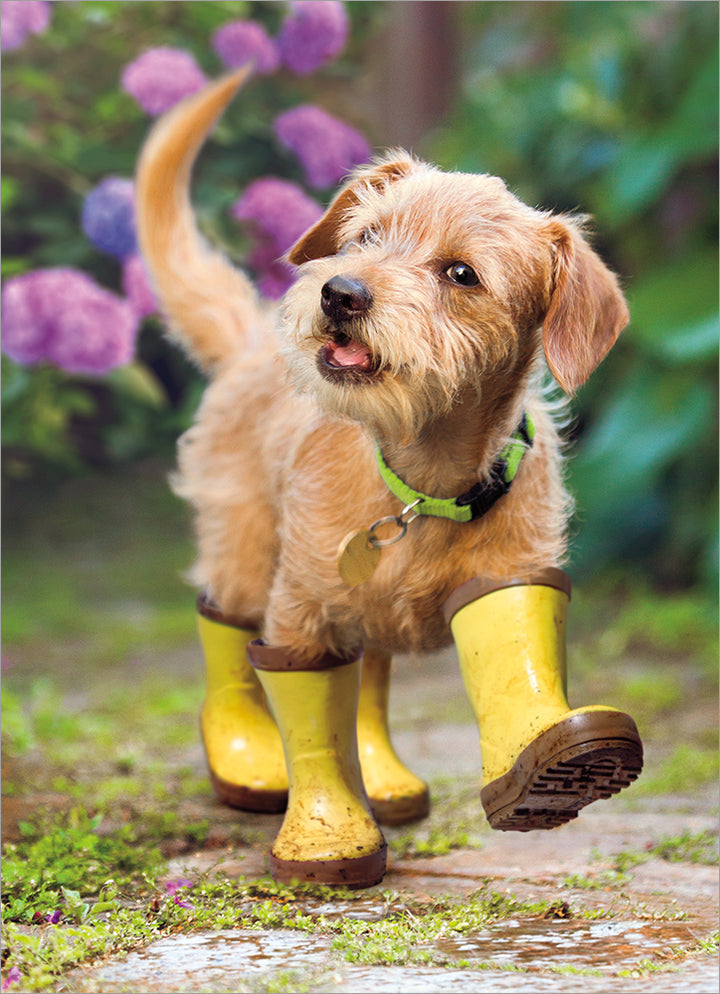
(542, 762)
(242, 743)
(328, 835)
(396, 795)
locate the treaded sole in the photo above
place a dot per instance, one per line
(584, 758)
(356, 873)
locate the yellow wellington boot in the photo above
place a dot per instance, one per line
(242, 743)
(328, 835)
(542, 762)
(396, 795)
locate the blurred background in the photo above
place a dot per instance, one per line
(606, 108)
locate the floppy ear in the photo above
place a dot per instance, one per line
(587, 310)
(322, 238)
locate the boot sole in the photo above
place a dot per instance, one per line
(401, 810)
(248, 798)
(584, 758)
(363, 871)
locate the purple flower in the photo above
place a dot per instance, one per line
(64, 317)
(173, 886)
(313, 34)
(280, 209)
(108, 217)
(53, 917)
(327, 147)
(245, 41)
(280, 212)
(20, 18)
(160, 77)
(136, 286)
(14, 977)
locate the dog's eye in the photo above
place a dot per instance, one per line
(462, 274)
(367, 236)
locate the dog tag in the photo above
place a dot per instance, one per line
(357, 558)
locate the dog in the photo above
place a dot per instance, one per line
(411, 351)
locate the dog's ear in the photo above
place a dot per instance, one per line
(587, 310)
(322, 238)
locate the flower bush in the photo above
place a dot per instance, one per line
(93, 315)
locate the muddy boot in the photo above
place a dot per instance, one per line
(242, 744)
(542, 762)
(329, 835)
(396, 795)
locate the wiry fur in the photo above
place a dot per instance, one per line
(279, 465)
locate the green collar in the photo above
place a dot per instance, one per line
(481, 497)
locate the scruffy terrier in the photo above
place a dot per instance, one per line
(383, 476)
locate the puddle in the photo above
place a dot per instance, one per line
(611, 945)
(216, 957)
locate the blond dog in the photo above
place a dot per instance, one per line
(409, 362)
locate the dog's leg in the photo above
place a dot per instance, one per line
(328, 835)
(396, 795)
(541, 761)
(242, 744)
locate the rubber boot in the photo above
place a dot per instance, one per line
(542, 762)
(396, 795)
(242, 743)
(329, 835)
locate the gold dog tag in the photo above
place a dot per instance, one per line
(357, 559)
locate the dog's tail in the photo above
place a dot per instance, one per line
(211, 306)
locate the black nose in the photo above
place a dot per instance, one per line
(342, 298)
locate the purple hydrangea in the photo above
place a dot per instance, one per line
(108, 217)
(160, 77)
(245, 41)
(136, 286)
(327, 147)
(20, 18)
(314, 33)
(62, 316)
(279, 208)
(280, 212)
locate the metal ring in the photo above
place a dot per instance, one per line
(381, 543)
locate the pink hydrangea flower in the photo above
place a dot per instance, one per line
(245, 41)
(327, 147)
(279, 211)
(279, 208)
(63, 316)
(136, 286)
(160, 77)
(20, 18)
(314, 33)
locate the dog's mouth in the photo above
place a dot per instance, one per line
(344, 358)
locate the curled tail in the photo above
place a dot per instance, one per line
(211, 306)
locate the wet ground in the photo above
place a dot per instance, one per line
(647, 932)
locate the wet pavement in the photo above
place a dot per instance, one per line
(642, 934)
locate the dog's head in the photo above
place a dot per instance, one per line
(417, 286)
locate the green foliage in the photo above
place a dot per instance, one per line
(612, 109)
(59, 866)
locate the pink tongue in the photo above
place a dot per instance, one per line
(352, 354)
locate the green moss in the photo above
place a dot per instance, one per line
(685, 770)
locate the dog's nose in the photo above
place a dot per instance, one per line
(342, 298)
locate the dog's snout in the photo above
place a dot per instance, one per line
(342, 298)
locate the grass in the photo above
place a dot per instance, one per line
(101, 689)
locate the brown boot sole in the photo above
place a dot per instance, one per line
(584, 758)
(248, 798)
(401, 810)
(364, 871)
